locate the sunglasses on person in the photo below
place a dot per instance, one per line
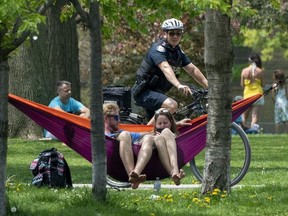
(172, 34)
(116, 117)
(163, 111)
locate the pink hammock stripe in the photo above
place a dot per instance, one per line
(75, 132)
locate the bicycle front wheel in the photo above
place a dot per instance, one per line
(240, 157)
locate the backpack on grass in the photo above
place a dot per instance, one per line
(51, 169)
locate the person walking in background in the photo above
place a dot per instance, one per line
(252, 83)
(280, 99)
(64, 102)
(165, 131)
(160, 69)
(126, 140)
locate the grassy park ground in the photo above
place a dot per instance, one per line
(263, 191)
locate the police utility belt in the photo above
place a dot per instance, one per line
(143, 83)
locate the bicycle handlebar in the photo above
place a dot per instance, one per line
(199, 93)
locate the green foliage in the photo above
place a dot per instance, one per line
(264, 28)
(260, 39)
(236, 71)
(68, 11)
(18, 16)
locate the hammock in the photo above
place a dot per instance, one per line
(75, 132)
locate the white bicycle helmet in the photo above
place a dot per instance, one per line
(172, 24)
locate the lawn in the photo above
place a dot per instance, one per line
(261, 192)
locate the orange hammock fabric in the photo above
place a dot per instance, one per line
(75, 132)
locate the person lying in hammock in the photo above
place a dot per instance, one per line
(126, 140)
(165, 131)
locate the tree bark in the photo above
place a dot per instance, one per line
(4, 69)
(218, 62)
(39, 64)
(97, 122)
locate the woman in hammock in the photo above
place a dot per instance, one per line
(165, 131)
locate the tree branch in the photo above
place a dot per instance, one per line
(18, 41)
(83, 14)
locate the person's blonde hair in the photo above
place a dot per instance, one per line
(109, 108)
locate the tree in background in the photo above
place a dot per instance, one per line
(16, 25)
(48, 56)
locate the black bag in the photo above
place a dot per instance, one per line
(119, 95)
(51, 169)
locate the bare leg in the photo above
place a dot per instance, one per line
(167, 150)
(246, 115)
(144, 153)
(168, 104)
(254, 115)
(142, 160)
(172, 150)
(163, 153)
(125, 151)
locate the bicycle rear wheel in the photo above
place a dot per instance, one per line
(117, 184)
(240, 157)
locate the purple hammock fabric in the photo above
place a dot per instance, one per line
(75, 132)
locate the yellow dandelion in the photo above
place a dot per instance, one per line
(216, 190)
(207, 199)
(195, 200)
(169, 196)
(214, 193)
(223, 195)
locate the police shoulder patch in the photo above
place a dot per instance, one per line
(160, 48)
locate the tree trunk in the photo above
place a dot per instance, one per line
(4, 69)
(97, 122)
(218, 62)
(39, 64)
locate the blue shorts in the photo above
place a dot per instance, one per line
(151, 101)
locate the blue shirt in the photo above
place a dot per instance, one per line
(135, 137)
(73, 106)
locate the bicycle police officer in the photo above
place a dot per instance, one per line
(160, 68)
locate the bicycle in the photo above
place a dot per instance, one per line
(199, 107)
(195, 109)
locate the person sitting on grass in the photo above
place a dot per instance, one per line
(240, 122)
(66, 103)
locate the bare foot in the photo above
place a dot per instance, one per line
(133, 176)
(141, 179)
(177, 177)
(181, 173)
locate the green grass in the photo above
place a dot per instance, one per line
(261, 192)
